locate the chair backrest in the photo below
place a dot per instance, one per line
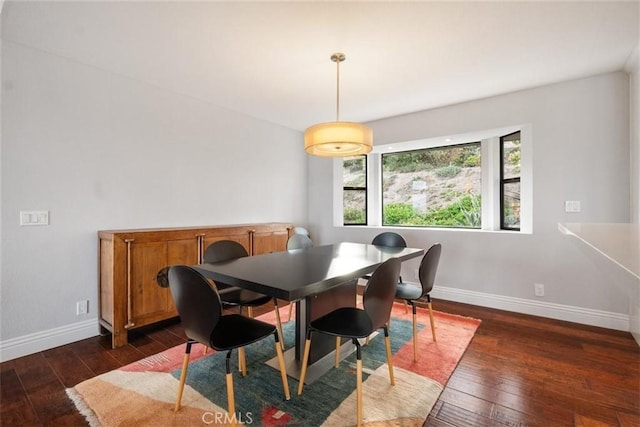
(162, 278)
(301, 230)
(389, 238)
(299, 241)
(224, 250)
(429, 267)
(197, 302)
(380, 291)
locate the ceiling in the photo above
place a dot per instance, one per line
(270, 60)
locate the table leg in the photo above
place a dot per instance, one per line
(316, 306)
(321, 354)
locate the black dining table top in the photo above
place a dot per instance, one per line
(295, 274)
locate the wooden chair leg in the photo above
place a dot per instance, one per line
(183, 376)
(231, 399)
(283, 370)
(278, 324)
(337, 351)
(243, 361)
(250, 311)
(359, 392)
(305, 360)
(387, 344)
(290, 310)
(366, 341)
(406, 307)
(415, 335)
(240, 360)
(433, 325)
(231, 407)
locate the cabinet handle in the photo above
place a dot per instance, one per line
(200, 238)
(251, 233)
(130, 323)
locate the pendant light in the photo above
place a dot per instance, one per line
(338, 139)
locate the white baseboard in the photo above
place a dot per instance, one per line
(44, 340)
(586, 316)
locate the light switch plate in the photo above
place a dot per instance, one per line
(572, 206)
(34, 217)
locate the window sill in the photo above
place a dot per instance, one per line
(436, 229)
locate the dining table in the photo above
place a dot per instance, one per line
(318, 279)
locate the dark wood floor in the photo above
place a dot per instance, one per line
(518, 370)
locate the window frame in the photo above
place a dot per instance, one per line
(354, 188)
(436, 147)
(504, 181)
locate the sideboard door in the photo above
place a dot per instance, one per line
(268, 241)
(150, 302)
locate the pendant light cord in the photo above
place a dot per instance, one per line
(338, 57)
(338, 91)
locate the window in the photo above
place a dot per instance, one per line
(354, 178)
(510, 181)
(434, 187)
(480, 180)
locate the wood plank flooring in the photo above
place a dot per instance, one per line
(519, 370)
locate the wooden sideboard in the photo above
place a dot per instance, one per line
(129, 261)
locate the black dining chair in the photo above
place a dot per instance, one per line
(392, 240)
(356, 323)
(201, 315)
(233, 296)
(411, 292)
(389, 239)
(301, 230)
(297, 241)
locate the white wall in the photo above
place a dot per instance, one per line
(101, 151)
(633, 68)
(580, 152)
(1, 93)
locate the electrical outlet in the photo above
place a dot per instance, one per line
(538, 289)
(572, 206)
(34, 218)
(82, 307)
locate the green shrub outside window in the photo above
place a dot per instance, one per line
(436, 187)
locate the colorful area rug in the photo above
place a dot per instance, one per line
(143, 393)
